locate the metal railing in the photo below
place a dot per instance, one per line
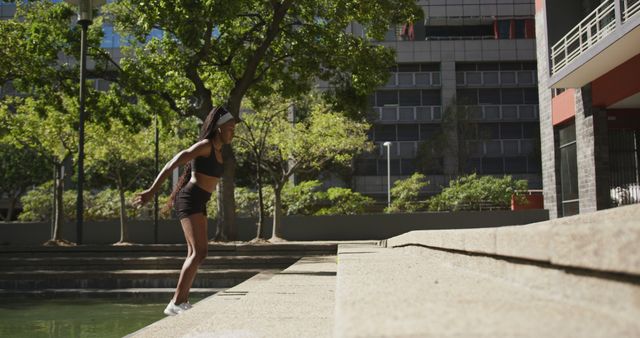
(587, 33)
(407, 113)
(630, 8)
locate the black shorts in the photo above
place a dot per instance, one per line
(191, 199)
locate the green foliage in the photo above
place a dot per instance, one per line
(36, 203)
(20, 168)
(405, 194)
(344, 201)
(218, 51)
(102, 205)
(246, 203)
(473, 193)
(301, 199)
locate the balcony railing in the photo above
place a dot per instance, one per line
(630, 8)
(524, 112)
(399, 113)
(597, 25)
(413, 79)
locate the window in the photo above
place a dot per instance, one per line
(407, 132)
(408, 67)
(410, 97)
(489, 96)
(428, 131)
(512, 96)
(531, 130)
(492, 165)
(467, 96)
(408, 167)
(366, 167)
(531, 95)
(431, 97)
(510, 131)
(488, 131)
(386, 97)
(385, 132)
(515, 165)
(568, 171)
(395, 167)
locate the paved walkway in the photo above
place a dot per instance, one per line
(297, 302)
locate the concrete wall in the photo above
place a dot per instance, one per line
(299, 228)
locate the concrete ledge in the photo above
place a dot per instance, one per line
(606, 240)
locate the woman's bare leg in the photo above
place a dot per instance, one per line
(195, 232)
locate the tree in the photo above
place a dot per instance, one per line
(51, 136)
(123, 156)
(218, 52)
(405, 194)
(20, 168)
(321, 137)
(35, 52)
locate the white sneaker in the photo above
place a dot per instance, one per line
(173, 309)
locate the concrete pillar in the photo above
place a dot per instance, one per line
(550, 173)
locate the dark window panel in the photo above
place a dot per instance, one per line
(430, 67)
(492, 165)
(410, 97)
(428, 131)
(489, 96)
(395, 167)
(531, 130)
(512, 96)
(366, 167)
(515, 165)
(473, 165)
(467, 96)
(408, 67)
(466, 67)
(488, 131)
(386, 97)
(531, 95)
(431, 97)
(407, 132)
(385, 132)
(488, 66)
(408, 167)
(510, 131)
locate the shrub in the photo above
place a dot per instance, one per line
(472, 192)
(37, 203)
(405, 194)
(345, 202)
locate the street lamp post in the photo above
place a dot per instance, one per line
(388, 145)
(85, 18)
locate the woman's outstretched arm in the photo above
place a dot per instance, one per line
(200, 148)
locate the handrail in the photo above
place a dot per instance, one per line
(630, 10)
(584, 35)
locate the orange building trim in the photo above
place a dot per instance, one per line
(563, 106)
(539, 6)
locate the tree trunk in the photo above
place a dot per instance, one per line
(124, 234)
(58, 204)
(12, 207)
(226, 229)
(260, 204)
(277, 213)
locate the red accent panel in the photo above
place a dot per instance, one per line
(539, 6)
(529, 29)
(563, 106)
(533, 201)
(618, 84)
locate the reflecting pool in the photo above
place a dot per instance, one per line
(84, 317)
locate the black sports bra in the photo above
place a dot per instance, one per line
(208, 165)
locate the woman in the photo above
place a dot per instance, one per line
(189, 197)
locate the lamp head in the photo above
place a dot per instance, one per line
(86, 7)
(386, 144)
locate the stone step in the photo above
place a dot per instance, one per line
(240, 248)
(118, 279)
(296, 302)
(161, 294)
(423, 292)
(143, 262)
